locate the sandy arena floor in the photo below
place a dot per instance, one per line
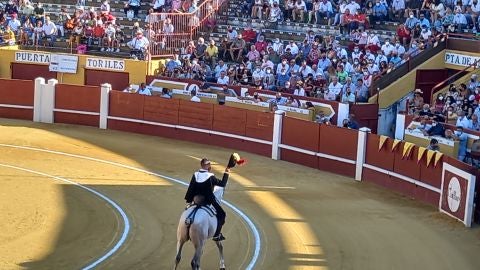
(307, 219)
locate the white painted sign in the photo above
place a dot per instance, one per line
(32, 57)
(199, 94)
(454, 194)
(293, 109)
(247, 101)
(65, 63)
(460, 59)
(105, 64)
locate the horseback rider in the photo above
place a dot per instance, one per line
(203, 183)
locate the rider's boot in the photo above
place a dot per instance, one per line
(218, 236)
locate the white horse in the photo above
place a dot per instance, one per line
(201, 229)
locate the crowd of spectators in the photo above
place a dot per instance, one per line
(458, 107)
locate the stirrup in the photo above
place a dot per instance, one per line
(218, 238)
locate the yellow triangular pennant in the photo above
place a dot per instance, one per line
(382, 141)
(421, 151)
(395, 144)
(407, 149)
(438, 156)
(430, 155)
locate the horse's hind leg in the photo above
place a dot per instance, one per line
(198, 254)
(180, 243)
(220, 250)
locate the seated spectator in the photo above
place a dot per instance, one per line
(380, 12)
(143, 90)
(38, 13)
(411, 21)
(397, 9)
(49, 32)
(435, 129)
(166, 93)
(139, 46)
(105, 7)
(132, 5)
(9, 36)
(194, 97)
(299, 11)
(462, 120)
(278, 100)
(211, 53)
(459, 21)
(474, 123)
(276, 14)
(433, 145)
(14, 23)
(257, 9)
(348, 96)
(249, 35)
(325, 9)
(237, 47)
(109, 37)
(223, 78)
(288, 10)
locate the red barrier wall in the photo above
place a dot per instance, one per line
(16, 92)
(195, 114)
(301, 134)
(229, 120)
(158, 109)
(126, 105)
(77, 98)
(259, 125)
(410, 167)
(339, 142)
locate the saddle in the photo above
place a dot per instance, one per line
(191, 217)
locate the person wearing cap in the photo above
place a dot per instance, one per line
(203, 183)
(14, 23)
(139, 45)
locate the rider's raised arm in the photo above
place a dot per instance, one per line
(189, 195)
(223, 182)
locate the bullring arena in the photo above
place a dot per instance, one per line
(78, 197)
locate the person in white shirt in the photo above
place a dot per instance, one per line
(400, 49)
(143, 90)
(139, 46)
(299, 91)
(325, 10)
(426, 33)
(305, 69)
(462, 120)
(293, 48)
(356, 54)
(380, 58)
(194, 96)
(50, 31)
(168, 26)
(334, 88)
(223, 79)
(14, 23)
(353, 7)
(387, 48)
(105, 7)
(459, 20)
(299, 11)
(231, 34)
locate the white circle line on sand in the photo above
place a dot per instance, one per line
(126, 222)
(251, 225)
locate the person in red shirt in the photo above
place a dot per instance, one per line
(403, 34)
(261, 45)
(249, 35)
(347, 19)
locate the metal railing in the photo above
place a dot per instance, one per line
(441, 86)
(174, 30)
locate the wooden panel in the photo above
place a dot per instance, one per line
(76, 119)
(16, 92)
(366, 115)
(126, 105)
(380, 158)
(339, 142)
(229, 120)
(401, 186)
(76, 97)
(118, 80)
(430, 175)
(157, 109)
(14, 113)
(259, 125)
(381, 179)
(299, 158)
(337, 167)
(194, 114)
(406, 166)
(31, 72)
(300, 133)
